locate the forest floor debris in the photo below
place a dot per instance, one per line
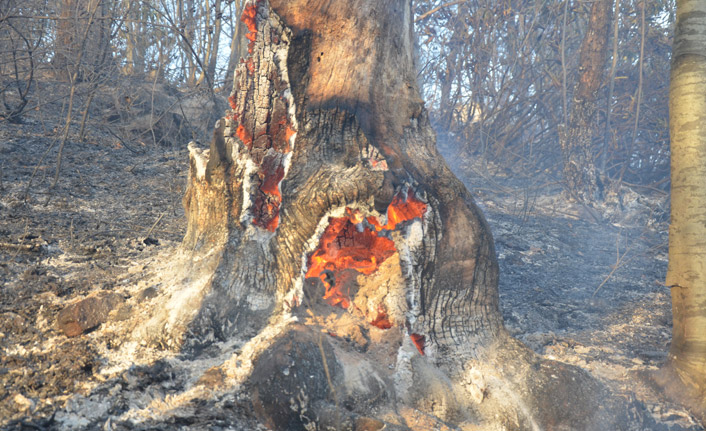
(573, 289)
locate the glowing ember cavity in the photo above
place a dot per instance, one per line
(419, 341)
(232, 103)
(250, 65)
(382, 320)
(289, 133)
(344, 245)
(353, 242)
(249, 19)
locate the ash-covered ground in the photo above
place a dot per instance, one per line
(578, 285)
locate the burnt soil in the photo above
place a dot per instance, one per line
(574, 289)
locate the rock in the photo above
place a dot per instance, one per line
(87, 314)
(147, 293)
(290, 377)
(23, 403)
(213, 378)
(12, 322)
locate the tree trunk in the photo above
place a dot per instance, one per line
(135, 39)
(81, 42)
(235, 42)
(576, 137)
(326, 232)
(65, 40)
(215, 41)
(684, 376)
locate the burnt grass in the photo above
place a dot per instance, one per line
(574, 289)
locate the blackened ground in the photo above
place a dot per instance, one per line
(576, 290)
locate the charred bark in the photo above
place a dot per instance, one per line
(319, 126)
(323, 218)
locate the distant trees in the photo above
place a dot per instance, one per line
(175, 41)
(139, 59)
(501, 78)
(82, 38)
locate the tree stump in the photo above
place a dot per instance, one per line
(328, 234)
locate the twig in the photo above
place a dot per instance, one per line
(330, 382)
(36, 168)
(82, 131)
(20, 247)
(438, 8)
(649, 187)
(69, 115)
(122, 141)
(154, 225)
(620, 261)
(563, 63)
(638, 96)
(611, 87)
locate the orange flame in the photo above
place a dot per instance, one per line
(348, 243)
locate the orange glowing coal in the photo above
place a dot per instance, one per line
(419, 341)
(382, 320)
(400, 210)
(248, 18)
(350, 244)
(346, 245)
(244, 136)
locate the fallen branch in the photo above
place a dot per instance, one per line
(34, 248)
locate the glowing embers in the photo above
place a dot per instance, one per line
(352, 245)
(262, 118)
(249, 19)
(382, 320)
(399, 211)
(419, 342)
(268, 197)
(347, 245)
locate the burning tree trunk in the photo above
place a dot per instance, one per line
(327, 233)
(325, 168)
